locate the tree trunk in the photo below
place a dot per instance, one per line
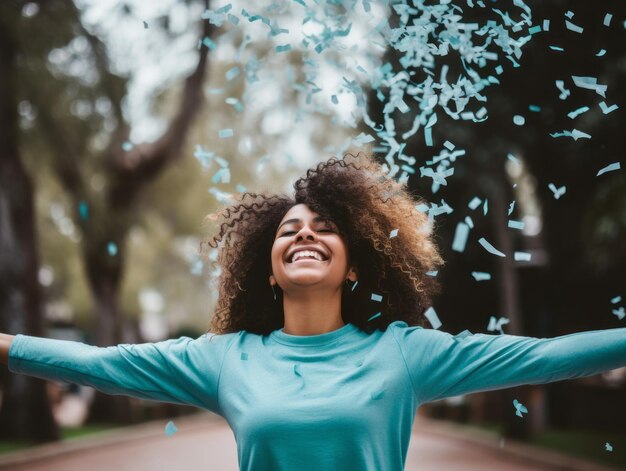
(25, 413)
(508, 288)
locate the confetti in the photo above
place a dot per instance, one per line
(474, 203)
(577, 112)
(393, 233)
(225, 133)
(516, 224)
(432, 272)
(511, 207)
(481, 276)
(145, 25)
(127, 146)
(83, 210)
(558, 192)
(572, 27)
(112, 249)
(560, 84)
(284, 48)
(607, 19)
(432, 317)
(609, 168)
(375, 316)
(376, 297)
(519, 408)
(574, 133)
(619, 312)
(607, 109)
(170, 429)
(560, 49)
(601, 53)
(232, 73)
(534, 108)
(460, 237)
(616, 299)
(354, 285)
(521, 256)
(590, 83)
(608, 447)
(496, 324)
(490, 248)
(519, 120)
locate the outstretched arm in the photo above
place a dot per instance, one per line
(184, 370)
(442, 365)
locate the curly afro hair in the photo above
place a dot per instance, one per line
(366, 205)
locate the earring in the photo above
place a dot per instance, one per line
(273, 292)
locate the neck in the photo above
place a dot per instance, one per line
(312, 313)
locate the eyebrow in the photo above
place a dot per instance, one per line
(317, 219)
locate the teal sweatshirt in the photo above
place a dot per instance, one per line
(340, 400)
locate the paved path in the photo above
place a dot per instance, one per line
(207, 443)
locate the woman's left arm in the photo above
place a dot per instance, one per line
(443, 365)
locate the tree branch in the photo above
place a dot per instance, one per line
(130, 171)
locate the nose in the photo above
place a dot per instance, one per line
(305, 232)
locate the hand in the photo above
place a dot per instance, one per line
(5, 344)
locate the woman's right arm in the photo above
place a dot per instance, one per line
(184, 370)
(5, 344)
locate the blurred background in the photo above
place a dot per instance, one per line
(124, 123)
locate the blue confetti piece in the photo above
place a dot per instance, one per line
(620, 312)
(376, 297)
(112, 249)
(519, 120)
(83, 210)
(496, 324)
(590, 83)
(511, 207)
(283, 48)
(223, 133)
(616, 299)
(428, 136)
(534, 108)
(546, 25)
(560, 84)
(393, 233)
(601, 53)
(572, 27)
(516, 224)
(569, 14)
(474, 203)
(127, 146)
(244, 356)
(490, 248)
(522, 256)
(607, 109)
(460, 237)
(519, 408)
(433, 318)
(609, 168)
(534, 30)
(432, 272)
(208, 42)
(574, 133)
(469, 222)
(354, 285)
(558, 192)
(334, 99)
(170, 429)
(232, 73)
(608, 446)
(481, 276)
(607, 19)
(374, 316)
(577, 112)
(485, 207)
(557, 48)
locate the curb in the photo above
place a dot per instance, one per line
(512, 449)
(105, 439)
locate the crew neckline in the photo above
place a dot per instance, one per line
(313, 340)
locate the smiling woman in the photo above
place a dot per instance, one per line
(346, 209)
(305, 374)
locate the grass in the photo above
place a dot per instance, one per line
(67, 433)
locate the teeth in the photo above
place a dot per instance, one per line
(305, 253)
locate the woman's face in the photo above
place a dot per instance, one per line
(302, 229)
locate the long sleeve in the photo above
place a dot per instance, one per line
(442, 365)
(183, 371)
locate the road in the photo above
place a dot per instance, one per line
(207, 443)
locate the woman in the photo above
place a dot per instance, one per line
(314, 356)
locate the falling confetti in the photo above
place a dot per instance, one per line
(481, 276)
(112, 249)
(490, 248)
(608, 447)
(519, 408)
(496, 324)
(170, 429)
(433, 318)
